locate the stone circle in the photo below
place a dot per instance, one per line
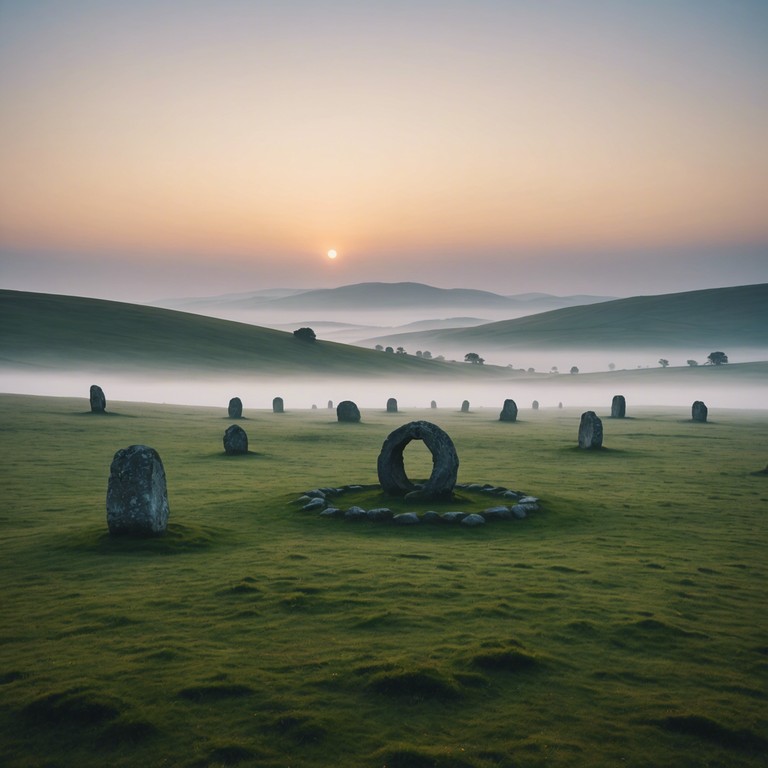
(445, 461)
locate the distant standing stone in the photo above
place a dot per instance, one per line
(330, 405)
(433, 404)
(235, 441)
(347, 411)
(277, 405)
(618, 407)
(699, 411)
(235, 409)
(590, 430)
(314, 407)
(98, 401)
(465, 406)
(391, 405)
(559, 405)
(137, 498)
(535, 405)
(509, 411)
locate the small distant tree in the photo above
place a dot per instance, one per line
(305, 334)
(426, 354)
(389, 351)
(474, 358)
(717, 358)
(379, 348)
(400, 351)
(663, 362)
(611, 366)
(554, 369)
(692, 363)
(531, 370)
(419, 353)
(574, 369)
(440, 357)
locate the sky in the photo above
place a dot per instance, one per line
(163, 148)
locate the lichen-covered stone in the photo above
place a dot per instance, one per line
(392, 405)
(347, 411)
(235, 408)
(699, 411)
(98, 401)
(465, 406)
(137, 496)
(590, 431)
(508, 411)
(618, 407)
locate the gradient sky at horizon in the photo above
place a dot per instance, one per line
(169, 148)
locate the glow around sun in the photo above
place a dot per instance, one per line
(332, 254)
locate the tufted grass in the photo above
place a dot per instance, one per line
(623, 624)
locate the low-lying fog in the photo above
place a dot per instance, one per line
(302, 393)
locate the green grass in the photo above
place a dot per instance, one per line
(622, 624)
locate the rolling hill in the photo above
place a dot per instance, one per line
(718, 318)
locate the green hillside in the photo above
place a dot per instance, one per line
(715, 318)
(58, 332)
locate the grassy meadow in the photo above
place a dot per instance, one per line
(622, 624)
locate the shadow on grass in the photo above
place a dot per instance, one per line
(104, 415)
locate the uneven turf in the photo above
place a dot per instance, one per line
(622, 624)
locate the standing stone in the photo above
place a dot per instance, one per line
(509, 411)
(347, 411)
(137, 498)
(391, 405)
(433, 404)
(465, 406)
(235, 408)
(235, 441)
(445, 462)
(535, 405)
(618, 407)
(590, 430)
(277, 405)
(559, 405)
(98, 401)
(314, 407)
(699, 411)
(330, 405)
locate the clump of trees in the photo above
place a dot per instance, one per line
(663, 362)
(574, 369)
(717, 358)
(305, 334)
(474, 358)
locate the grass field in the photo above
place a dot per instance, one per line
(622, 624)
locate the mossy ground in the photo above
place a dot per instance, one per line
(623, 624)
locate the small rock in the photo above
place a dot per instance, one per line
(331, 512)
(529, 500)
(380, 513)
(519, 511)
(406, 518)
(316, 493)
(431, 517)
(355, 513)
(473, 520)
(510, 494)
(498, 513)
(453, 517)
(316, 503)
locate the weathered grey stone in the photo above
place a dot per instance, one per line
(137, 497)
(497, 513)
(465, 406)
(347, 411)
(618, 407)
(331, 512)
(453, 517)
(313, 504)
(235, 408)
(527, 507)
(519, 511)
(510, 494)
(431, 517)
(559, 405)
(235, 441)
(445, 462)
(98, 401)
(314, 407)
(590, 431)
(473, 520)
(535, 405)
(529, 500)
(316, 493)
(391, 405)
(433, 404)
(356, 513)
(699, 411)
(406, 518)
(508, 411)
(380, 513)
(277, 405)
(330, 405)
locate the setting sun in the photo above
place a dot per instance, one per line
(332, 254)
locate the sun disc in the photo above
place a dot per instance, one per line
(332, 254)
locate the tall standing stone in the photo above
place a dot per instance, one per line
(433, 404)
(347, 411)
(590, 431)
(330, 405)
(508, 411)
(98, 401)
(618, 407)
(391, 405)
(235, 408)
(535, 405)
(235, 441)
(277, 405)
(699, 411)
(137, 497)
(465, 406)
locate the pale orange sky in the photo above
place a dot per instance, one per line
(510, 146)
